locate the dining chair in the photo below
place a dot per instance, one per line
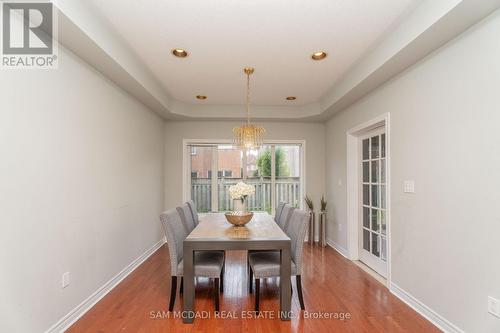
(279, 209)
(194, 211)
(277, 215)
(281, 217)
(267, 264)
(186, 217)
(206, 263)
(285, 216)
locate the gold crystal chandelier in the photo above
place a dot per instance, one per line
(248, 136)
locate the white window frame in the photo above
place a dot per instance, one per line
(186, 160)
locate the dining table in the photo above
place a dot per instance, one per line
(214, 232)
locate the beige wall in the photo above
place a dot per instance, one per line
(81, 177)
(445, 116)
(175, 132)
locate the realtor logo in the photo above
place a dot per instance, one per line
(28, 35)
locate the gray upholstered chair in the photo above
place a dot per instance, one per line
(281, 216)
(285, 216)
(194, 211)
(186, 217)
(267, 264)
(206, 263)
(277, 215)
(189, 221)
(279, 209)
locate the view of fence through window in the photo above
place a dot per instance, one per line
(210, 190)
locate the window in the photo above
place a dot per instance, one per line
(229, 161)
(224, 174)
(287, 164)
(210, 190)
(201, 184)
(258, 172)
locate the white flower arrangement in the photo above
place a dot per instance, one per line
(241, 191)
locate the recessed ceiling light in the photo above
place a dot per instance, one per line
(201, 97)
(180, 53)
(291, 98)
(320, 55)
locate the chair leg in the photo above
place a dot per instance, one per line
(299, 291)
(216, 294)
(222, 278)
(257, 292)
(181, 288)
(173, 291)
(250, 280)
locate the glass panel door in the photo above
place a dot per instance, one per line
(201, 177)
(287, 170)
(258, 173)
(230, 172)
(373, 243)
(214, 167)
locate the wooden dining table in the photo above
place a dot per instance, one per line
(215, 233)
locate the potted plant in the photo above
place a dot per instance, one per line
(312, 219)
(322, 222)
(239, 194)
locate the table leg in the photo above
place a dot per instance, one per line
(188, 292)
(285, 283)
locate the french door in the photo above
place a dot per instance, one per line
(373, 201)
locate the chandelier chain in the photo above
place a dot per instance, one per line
(248, 98)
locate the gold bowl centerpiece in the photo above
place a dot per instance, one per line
(238, 219)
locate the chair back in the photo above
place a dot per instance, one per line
(194, 211)
(175, 232)
(296, 230)
(186, 217)
(286, 213)
(279, 209)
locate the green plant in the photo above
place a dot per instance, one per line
(309, 203)
(264, 164)
(323, 203)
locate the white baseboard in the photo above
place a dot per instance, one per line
(69, 319)
(426, 312)
(337, 247)
(435, 318)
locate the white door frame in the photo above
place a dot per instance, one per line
(353, 191)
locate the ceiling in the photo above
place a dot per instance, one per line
(276, 37)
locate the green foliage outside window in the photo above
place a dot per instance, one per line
(264, 164)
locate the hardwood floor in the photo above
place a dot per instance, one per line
(331, 284)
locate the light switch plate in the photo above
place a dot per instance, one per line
(65, 279)
(494, 306)
(409, 186)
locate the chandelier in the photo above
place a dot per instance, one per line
(248, 136)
